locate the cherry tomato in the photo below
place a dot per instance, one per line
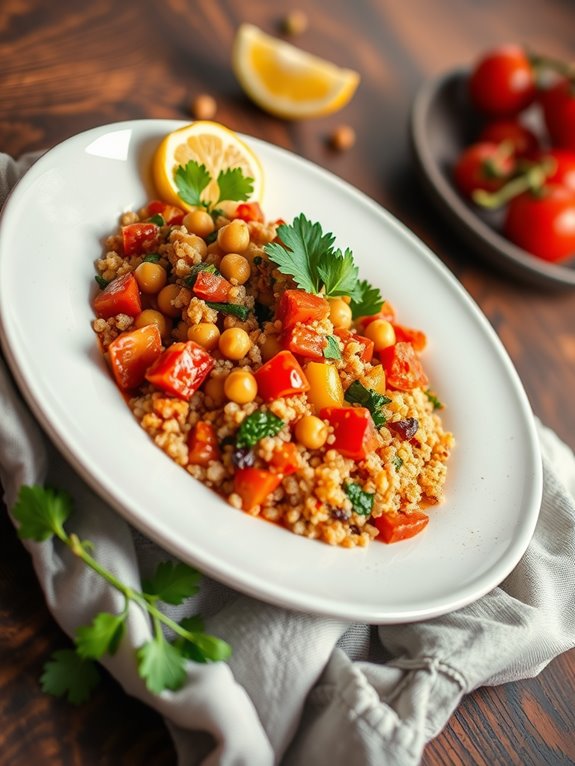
(525, 142)
(543, 223)
(564, 172)
(139, 237)
(558, 104)
(502, 82)
(483, 166)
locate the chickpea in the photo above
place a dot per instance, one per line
(214, 388)
(342, 138)
(240, 386)
(381, 332)
(204, 107)
(199, 222)
(270, 347)
(151, 277)
(234, 237)
(234, 343)
(165, 297)
(311, 432)
(340, 314)
(198, 244)
(205, 334)
(151, 316)
(235, 266)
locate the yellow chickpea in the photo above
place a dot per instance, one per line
(151, 277)
(235, 266)
(240, 386)
(381, 332)
(234, 343)
(151, 316)
(165, 297)
(198, 244)
(339, 314)
(234, 237)
(270, 347)
(205, 334)
(214, 389)
(311, 432)
(199, 222)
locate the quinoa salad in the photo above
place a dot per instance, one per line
(254, 356)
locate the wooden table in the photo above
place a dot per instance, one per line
(63, 70)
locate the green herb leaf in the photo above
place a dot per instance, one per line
(211, 237)
(367, 397)
(67, 674)
(362, 502)
(366, 300)
(102, 283)
(151, 258)
(201, 647)
(191, 181)
(338, 273)
(172, 582)
(157, 219)
(397, 462)
(437, 405)
(242, 312)
(41, 512)
(234, 185)
(161, 665)
(332, 351)
(257, 425)
(195, 270)
(103, 635)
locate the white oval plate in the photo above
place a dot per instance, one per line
(51, 232)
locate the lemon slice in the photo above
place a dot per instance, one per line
(286, 80)
(210, 144)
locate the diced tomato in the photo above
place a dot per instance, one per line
(280, 376)
(298, 306)
(249, 211)
(403, 367)
(386, 312)
(211, 287)
(285, 459)
(355, 434)
(181, 369)
(400, 526)
(203, 444)
(417, 338)
(253, 485)
(132, 352)
(171, 214)
(367, 353)
(138, 238)
(121, 296)
(304, 341)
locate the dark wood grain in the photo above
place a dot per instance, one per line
(66, 67)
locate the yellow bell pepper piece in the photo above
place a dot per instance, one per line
(325, 389)
(375, 379)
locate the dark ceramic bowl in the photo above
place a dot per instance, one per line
(442, 124)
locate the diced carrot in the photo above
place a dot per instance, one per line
(285, 459)
(253, 485)
(121, 296)
(394, 527)
(203, 444)
(132, 353)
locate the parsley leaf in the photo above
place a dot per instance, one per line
(437, 405)
(151, 258)
(41, 513)
(157, 219)
(172, 582)
(234, 185)
(362, 502)
(161, 665)
(366, 300)
(257, 425)
(191, 180)
(332, 351)
(67, 674)
(338, 272)
(242, 312)
(102, 283)
(367, 397)
(397, 462)
(103, 635)
(195, 270)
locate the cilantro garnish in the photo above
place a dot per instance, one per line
(241, 312)
(366, 300)
(332, 351)
(195, 270)
(256, 426)
(362, 502)
(102, 283)
(157, 219)
(437, 405)
(397, 462)
(193, 178)
(367, 397)
(151, 258)
(41, 514)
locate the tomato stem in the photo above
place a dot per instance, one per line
(542, 63)
(531, 179)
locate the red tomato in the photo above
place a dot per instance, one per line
(121, 296)
(417, 338)
(249, 211)
(203, 444)
(253, 485)
(558, 104)
(347, 336)
(564, 172)
(403, 368)
(138, 238)
(525, 142)
(171, 214)
(280, 376)
(181, 369)
(502, 82)
(304, 341)
(394, 527)
(211, 287)
(298, 306)
(131, 353)
(483, 166)
(355, 434)
(543, 223)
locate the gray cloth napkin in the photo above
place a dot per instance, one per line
(301, 689)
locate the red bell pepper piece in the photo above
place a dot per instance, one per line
(304, 341)
(121, 296)
(417, 338)
(181, 369)
(249, 211)
(400, 526)
(211, 287)
(203, 444)
(355, 434)
(253, 485)
(298, 306)
(171, 214)
(132, 352)
(368, 345)
(280, 376)
(403, 368)
(285, 459)
(138, 238)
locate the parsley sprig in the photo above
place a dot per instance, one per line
(367, 397)
(73, 673)
(256, 426)
(193, 178)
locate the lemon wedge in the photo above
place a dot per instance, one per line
(287, 81)
(210, 144)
